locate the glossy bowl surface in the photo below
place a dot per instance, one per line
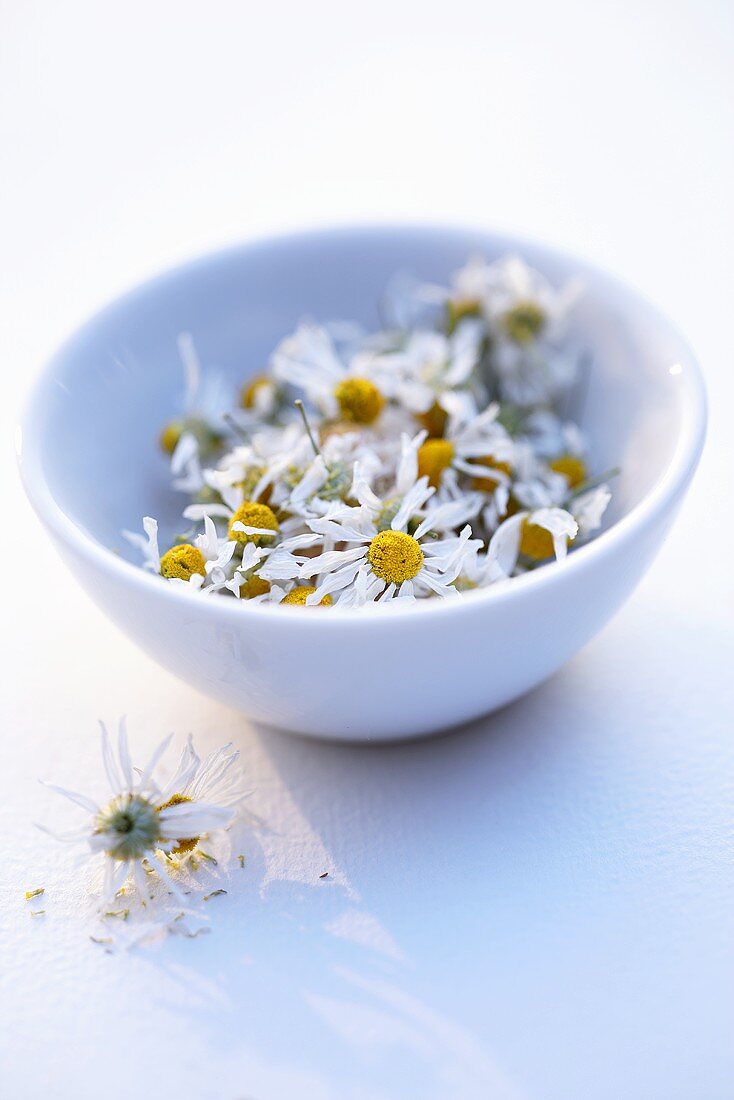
(89, 461)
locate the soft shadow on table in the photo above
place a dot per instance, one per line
(386, 826)
(479, 887)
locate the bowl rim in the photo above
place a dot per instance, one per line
(661, 496)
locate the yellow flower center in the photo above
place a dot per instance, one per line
(248, 396)
(253, 514)
(458, 308)
(524, 322)
(395, 557)
(572, 468)
(335, 427)
(254, 586)
(183, 847)
(536, 542)
(300, 595)
(434, 456)
(182, 562)
(170, 436)
(434, 421)
(206, 437)
(359, 400)
(489, 484)
(249, 482)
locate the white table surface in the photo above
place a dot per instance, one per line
(533, 907)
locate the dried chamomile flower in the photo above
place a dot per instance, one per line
(253, 522)
(198, 431)
(309, 361)
(260, 396)
(182, 562)
(388, 564)
(478, 447)
(139, 823)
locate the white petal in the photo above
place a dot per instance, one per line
(108, 759)
(124, 754)
(331, 561)
(150, 767)
(73, 796)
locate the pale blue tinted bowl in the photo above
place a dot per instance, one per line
(92, 467)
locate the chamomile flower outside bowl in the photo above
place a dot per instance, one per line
(90, 463)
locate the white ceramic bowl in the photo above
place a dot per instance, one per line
(91, 467)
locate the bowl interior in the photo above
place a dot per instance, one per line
(97, 412)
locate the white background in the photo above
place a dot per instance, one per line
(533, 907)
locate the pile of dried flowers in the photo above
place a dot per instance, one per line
(425, 459)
